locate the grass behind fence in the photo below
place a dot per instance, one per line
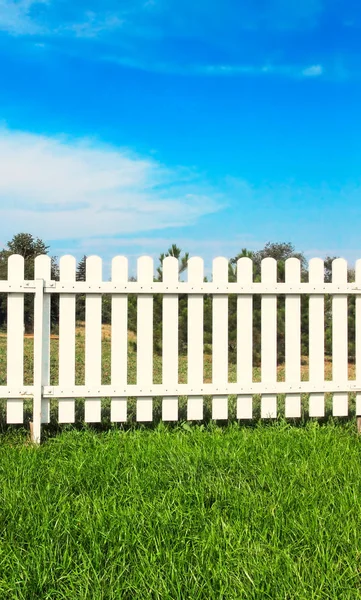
(265, 513)
(157, 377)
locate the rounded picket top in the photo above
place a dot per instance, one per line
(16, 265)
(244, 269)
(339, 270)
(316, 270)
(120, 269)
(93, 268)
(195, 269)
(43, 267)
(67, 268)
(269, 270)
(170, 269)
(293, 270)
(145, 269)
(220, 269)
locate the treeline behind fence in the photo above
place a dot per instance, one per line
(208, 300)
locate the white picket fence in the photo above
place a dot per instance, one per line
(145, 390)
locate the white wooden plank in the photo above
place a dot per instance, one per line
(170, 339)
(339, 338)
(244, 337)
(43, 271)
(316, 338)
(269, 338)
(66, 406)
(93, 339)
(144, 408)
(119, 340)
(195, 338)
(15, 340)
(107, 287)
(358, 336)
(220, 339)
(277, 387)
(293, 338)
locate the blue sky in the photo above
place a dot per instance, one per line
(126, 126)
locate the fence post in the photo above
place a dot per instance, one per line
(41, 345)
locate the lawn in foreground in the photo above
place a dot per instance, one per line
(269, 512)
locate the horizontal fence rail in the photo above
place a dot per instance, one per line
(326, 301)
(106, 287)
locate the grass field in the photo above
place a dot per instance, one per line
(178, 513)
(271, 512)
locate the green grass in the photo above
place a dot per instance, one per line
(271, 512)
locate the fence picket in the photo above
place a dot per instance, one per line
(67, 304)
(339, 338)
(15, 340)
(269, 338)
(195, 338)
(197, 290)
(316, 338)
(93, 339)
(144, 410)
(220, 339)
(170, 339)
(358, 336)
(119, 340)
(244, 337)
(43, 271)
(293, 338)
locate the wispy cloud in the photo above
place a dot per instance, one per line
(135, 33)
(313, 71)
(219, 70)
(93, 25)
(155, 19)
(18, 17)
(61, 188)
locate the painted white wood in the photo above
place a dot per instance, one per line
(205, 287)
(184, 389)
(244, 337)
(339, 338)
(269, 338)
(220, 339)
(119, 339)
(43, 271)
(144, 407)
(66, 406)
(293, 338)
(316, 338)
(170, 339)
(41, 347)
(15, 340)
(93, 339)
(358, 337)
(195, 338)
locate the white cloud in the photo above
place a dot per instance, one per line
(16, 16)
(218, 70)
(313, 71)
(60, 188)
(152, 19)
(93, 25)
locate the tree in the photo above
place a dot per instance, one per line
(80, 299)
(177, 253)
(28, 247)
(280, 251)
(81, 269)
